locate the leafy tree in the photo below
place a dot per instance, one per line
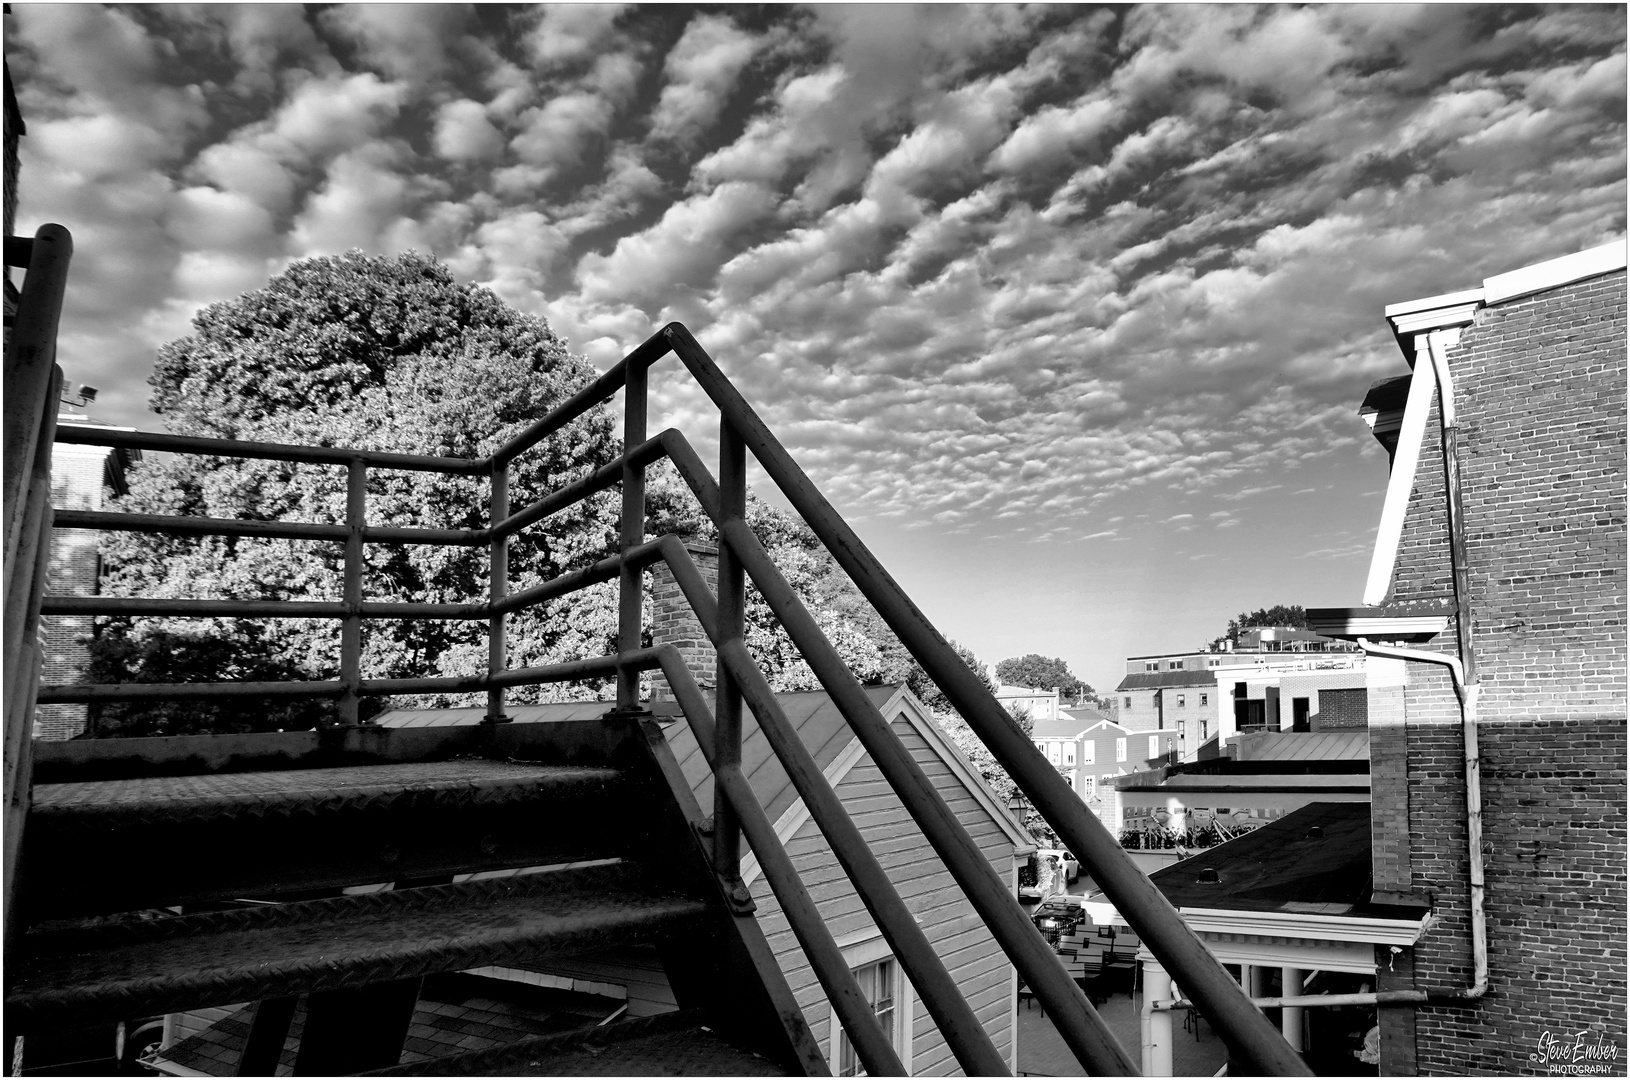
(392, 354)
(1039, 672)
(377, 353)
(1279, 615)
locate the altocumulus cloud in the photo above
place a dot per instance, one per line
(974, 264)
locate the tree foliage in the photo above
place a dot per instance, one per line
(1279, 615)
(1039, 672)
(390, 353)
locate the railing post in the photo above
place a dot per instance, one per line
(356, 515)
(732, 620)
(497, 644)
(631, 579)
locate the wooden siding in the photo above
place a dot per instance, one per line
(960, 938)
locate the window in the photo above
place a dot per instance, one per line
(1089, 787)
(1202, 731)
(1180, 726)
(1128, 702)
(1182, 700)
(1154, 746)
(1174, 665)
(880, 982)
(1089, 752)
(1053, 753)
(1041, 746)
(1069, 753)
(1205, 699)
(1152, 667)
(1120, 749)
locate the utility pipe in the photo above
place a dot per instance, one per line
(1462, 669)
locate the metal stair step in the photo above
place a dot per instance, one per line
(461, 782)
(671, 1044)
(114, 969)
(260, 834)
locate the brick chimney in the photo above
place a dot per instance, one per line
(673, 622)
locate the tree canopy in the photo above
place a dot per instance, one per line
(1279, 615)
(391, 354)
(1039, 672)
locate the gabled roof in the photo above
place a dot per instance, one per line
(1065, 727)
(1161, 680)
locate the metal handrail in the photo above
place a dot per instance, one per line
(1255, 1043)
(32, 384)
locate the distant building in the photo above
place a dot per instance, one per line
(1038, 705)
(1091, 750)
(1536, 385)
(1305, 683)
(82, 478)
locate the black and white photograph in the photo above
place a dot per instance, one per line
(815, 539)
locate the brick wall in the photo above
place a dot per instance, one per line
(1541, 389)
(1339, 710)
(78, 476)
(673, 622)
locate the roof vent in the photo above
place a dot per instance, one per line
(1209, 876)
(1315, 833)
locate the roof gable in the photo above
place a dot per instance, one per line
(902, 706)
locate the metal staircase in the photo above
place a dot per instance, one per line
(595, 816)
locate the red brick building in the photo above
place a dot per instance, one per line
(1532, 365)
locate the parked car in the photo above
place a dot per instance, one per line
(1072, 867)
(1058, 917)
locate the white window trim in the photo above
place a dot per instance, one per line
(867, 947)
(1089, 752)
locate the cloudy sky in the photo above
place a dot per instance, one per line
(1069, 308)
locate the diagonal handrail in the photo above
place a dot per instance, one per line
(939, 992)
(1092, 1040)
(873, 1048)
(1257, 1044)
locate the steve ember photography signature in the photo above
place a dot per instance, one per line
(1579, 1054)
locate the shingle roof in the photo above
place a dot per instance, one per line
(1315, 860)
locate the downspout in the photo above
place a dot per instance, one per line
(1463, 669)
(1463, 672)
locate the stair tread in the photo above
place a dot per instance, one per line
(190, 961)
(215, 796)
(670, 1044)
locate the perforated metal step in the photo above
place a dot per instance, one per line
(261, 834)
(120, 969)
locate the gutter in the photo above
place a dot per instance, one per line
(1463, 671)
